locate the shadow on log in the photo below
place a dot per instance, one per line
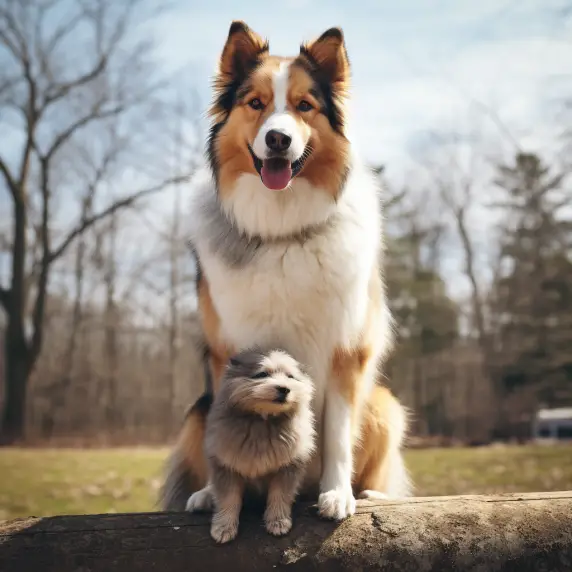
(520, 533)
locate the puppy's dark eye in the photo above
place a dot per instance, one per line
(261, 375)
(304, 106)
(291, 376)
(256, 104)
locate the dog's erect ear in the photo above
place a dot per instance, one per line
(242, 50)
(328, 53)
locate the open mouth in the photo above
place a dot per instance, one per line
(277, 172)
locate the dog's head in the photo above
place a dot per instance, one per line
(279, 120)
(266, 383)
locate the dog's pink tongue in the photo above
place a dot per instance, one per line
(276, 176)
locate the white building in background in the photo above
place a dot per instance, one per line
(553, 424)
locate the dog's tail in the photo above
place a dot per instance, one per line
(185, 470)
(177, 486)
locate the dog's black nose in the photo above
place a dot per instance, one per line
(278, 141)
(282, 392)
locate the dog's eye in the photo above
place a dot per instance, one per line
(290, 376)
(304, 106)
(256, 104)
(261, 375)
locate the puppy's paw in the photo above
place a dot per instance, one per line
(337, 504)
(279, 526)
(223, 530)
(201, 501)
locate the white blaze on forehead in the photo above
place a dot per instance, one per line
(281, 119)
(280, 85)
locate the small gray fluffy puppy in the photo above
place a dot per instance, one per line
(260, 437)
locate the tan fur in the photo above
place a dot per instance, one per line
(330, 53)
(242, 126)
(190, 446)
(383, 421)
(210, 321)
(349, 364)
(242, 44)
(329, 149)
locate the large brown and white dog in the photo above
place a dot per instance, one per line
(286, 225)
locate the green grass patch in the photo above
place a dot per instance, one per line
(491, 470)
(42, 482)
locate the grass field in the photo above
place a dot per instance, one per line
(73, 481)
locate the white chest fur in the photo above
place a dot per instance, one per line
(304, 297)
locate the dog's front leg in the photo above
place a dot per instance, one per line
(336, 499)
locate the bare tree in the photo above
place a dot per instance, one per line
(60, 86)
(459, 175)
(453, 173)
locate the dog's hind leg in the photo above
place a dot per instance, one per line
(379, 467)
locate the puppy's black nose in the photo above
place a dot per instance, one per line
(281, 392)
(278, 141)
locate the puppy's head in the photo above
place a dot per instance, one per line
(280, 119)
(266, 383)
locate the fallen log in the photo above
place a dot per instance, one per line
(515, 532)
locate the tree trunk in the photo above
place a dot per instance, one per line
(111, 326)
(17, 373)
(505, 533)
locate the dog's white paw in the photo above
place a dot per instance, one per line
(201, 501)
(372, 495)
(279, 527)
(337, 504)
(223, 530)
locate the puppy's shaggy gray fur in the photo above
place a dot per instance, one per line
(259, 437)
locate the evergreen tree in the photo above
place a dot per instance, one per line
(533, 291)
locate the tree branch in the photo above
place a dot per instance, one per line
(96, 114)
(43, 51)
(31, 122)
(121, 203)
(12, 187)
(65, 88)
(104, 54)
(7, 41)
